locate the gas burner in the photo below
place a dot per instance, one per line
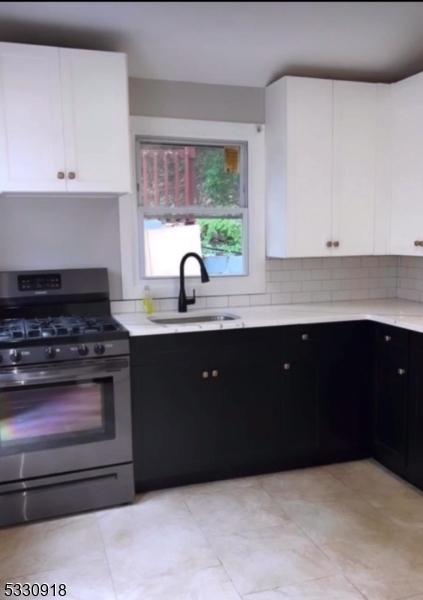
(54, 327)
(11, 330)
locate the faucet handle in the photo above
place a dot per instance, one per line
(192, 299)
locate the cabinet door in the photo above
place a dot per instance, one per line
(407, 167)
(415, 447)
(298, 395)
(344, 404)
(31, 126)
(177, 419)
(391, 397)
(96, 113)
(354, 172)
(309, 166)
(251, 425)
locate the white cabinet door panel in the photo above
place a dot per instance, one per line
(32, 146)
(309, 166)
(354, 166)
(407, 166)
(95, 100)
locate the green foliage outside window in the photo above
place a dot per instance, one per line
(221, 236)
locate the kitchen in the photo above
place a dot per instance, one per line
(211, 300)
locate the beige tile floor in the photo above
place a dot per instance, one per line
(341, 532)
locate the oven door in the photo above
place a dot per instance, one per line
(64, 417)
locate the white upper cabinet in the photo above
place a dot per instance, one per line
(63, 120)
(354, 164)
(407, 167)
(32, 154)
(322, 148)
(299, 166)
(96, 120)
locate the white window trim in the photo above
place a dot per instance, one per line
(254, 282)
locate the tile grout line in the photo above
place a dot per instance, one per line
(106, 557)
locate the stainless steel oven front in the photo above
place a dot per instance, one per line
(64, 417)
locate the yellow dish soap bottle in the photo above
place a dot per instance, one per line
(147, 301)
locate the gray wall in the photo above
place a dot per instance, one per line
(54, 232)
(181, 100)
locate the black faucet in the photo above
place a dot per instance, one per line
(183, 301)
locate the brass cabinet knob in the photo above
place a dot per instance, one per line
(329, 244)
(336, 244)
(387, 338)
(205, 374)
(418, 243)
(286, 366)
(215, 373)
(305, 337)
(71, 175)
(60, 175)
(401, 371)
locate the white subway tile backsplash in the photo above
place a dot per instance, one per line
(123, 306)
(239, 300)
(321, 296)
(260, 299)
(370, 261)
(217, 301)
(410, 278)
(296, 280)
(281, 299)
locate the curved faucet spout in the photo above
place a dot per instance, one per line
(183, 301)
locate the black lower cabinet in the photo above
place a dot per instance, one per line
(391, 397)
(221, 404)
(344, 386)
(415, 428)
(298, 394)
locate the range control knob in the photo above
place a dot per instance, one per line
(83, 350)
(50, 352)
(15, 356)
(99, 349)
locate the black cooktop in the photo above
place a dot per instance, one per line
(16, 330)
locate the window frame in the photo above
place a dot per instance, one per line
(196, 211)
(169, 130)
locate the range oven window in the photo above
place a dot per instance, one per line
(48, 416)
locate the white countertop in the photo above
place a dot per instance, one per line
(401, 313)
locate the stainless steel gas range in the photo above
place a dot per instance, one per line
(65, 415)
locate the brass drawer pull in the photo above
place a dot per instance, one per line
(205, 374)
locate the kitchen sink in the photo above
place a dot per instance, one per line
(192, 319)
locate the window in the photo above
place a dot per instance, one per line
(192, 197)
(220, 215)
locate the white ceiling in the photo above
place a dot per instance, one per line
(237, 43)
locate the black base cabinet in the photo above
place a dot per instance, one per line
(415, 412)
(236, 402)
(344, 407)
(398, 402)
(391, 391)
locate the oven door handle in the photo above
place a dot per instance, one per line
(62, 372)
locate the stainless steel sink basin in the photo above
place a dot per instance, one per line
(192, 319)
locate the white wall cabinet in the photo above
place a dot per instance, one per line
(407, 167)
(64, 120)
(354, 166)
(322, 148)
(299, 166)
(32, 151)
